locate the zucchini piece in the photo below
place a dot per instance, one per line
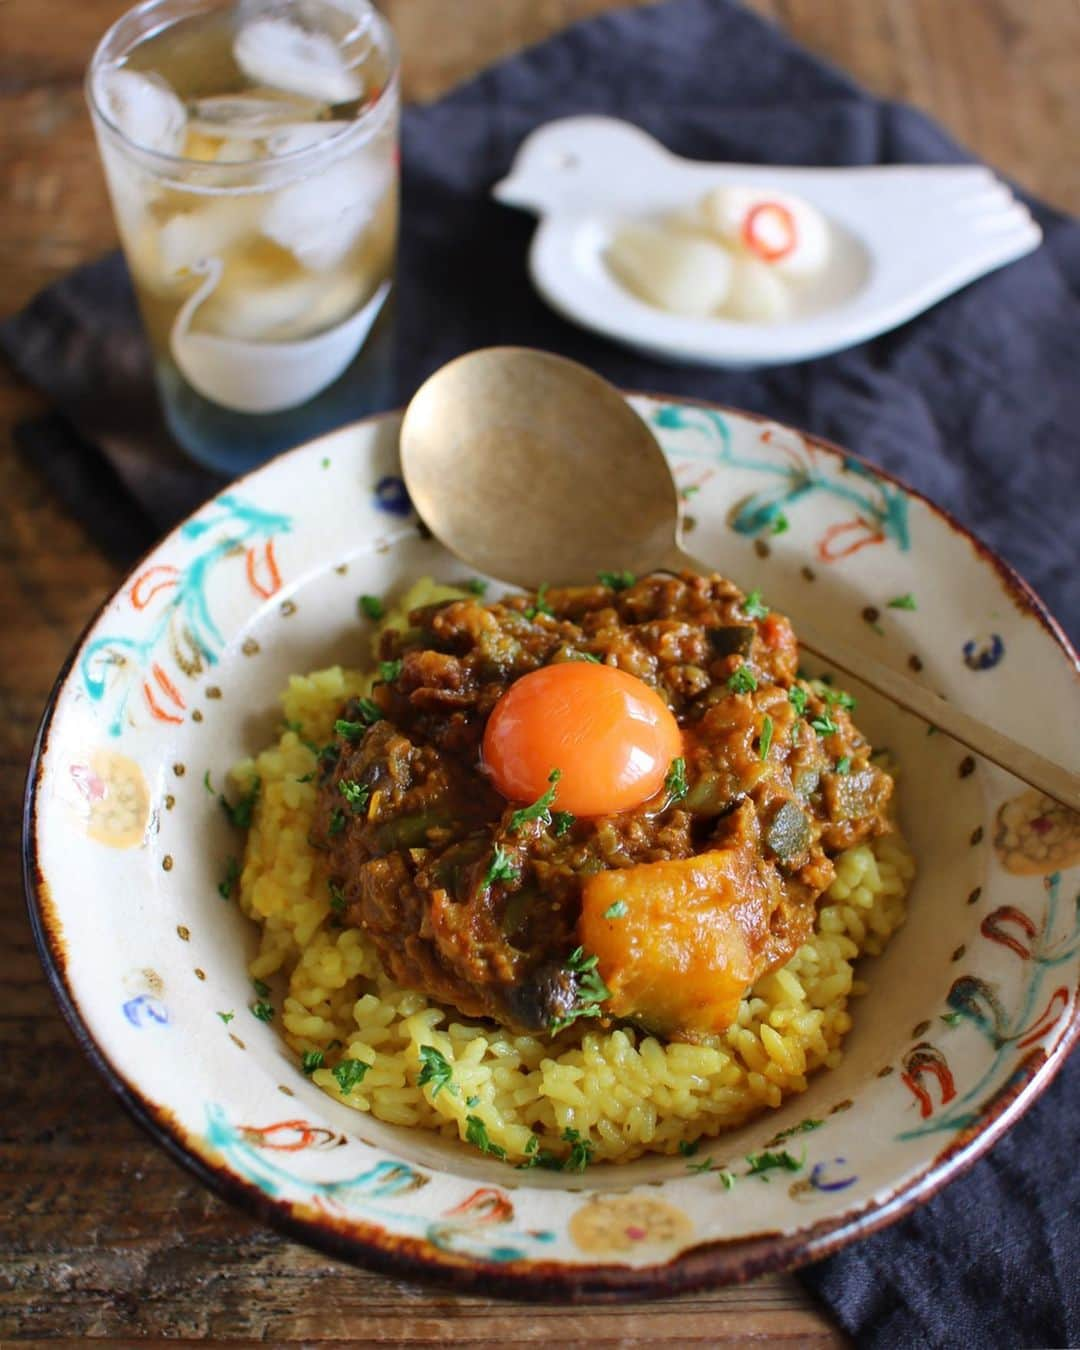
(736, 640)
(410, 831)
(788, 834)
(711, 795)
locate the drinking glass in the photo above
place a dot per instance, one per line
(251, 154)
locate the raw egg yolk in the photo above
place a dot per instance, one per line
(611, 737)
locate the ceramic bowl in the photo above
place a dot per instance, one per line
(969, 1012)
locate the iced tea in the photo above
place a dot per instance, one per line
(251, 155)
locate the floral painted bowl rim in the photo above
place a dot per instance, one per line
(706, 1264)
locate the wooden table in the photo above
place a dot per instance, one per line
(82, 1256)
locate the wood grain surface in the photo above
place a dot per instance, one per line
(100, 1234)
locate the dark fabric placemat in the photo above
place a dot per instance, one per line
(976, 403)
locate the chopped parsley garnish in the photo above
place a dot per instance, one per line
(803, 1127)
(688, 1147)
(241, 812)
(589, 994)
(839, 698)
(328, 756)
(675, 782)
(472, 1101)
(477, 585)
(390, 670)
(561, 822)
(311, 1060)
(766, 737)
(796, 696)
(781, 524)
(350, 1073)
(337, 896)
(261, 988)
(585, 656)
(541, 606)
(755, 607)
(368, 712)
(356, 794)
(226, 1017)
(581, 1151)
(706, 1165)
(501, 868)
(579, 963)
(743, 681)
(371, 606)
(761, 1163)
(540, 809)
(352, 731)
(688, 491)
(207, 783)
(952, 1019)
(617, 910)
(906, 601)
(476, 1134)
(824, 725)
(535, 1156)
(617, 581)
(337, 821)
(843, 765)
(263, 1011)
(227, 884)
(436, 1069)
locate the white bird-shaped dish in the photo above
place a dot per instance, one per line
(903, 238)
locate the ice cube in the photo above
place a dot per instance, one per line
(218, 149)
(143, 107)
(254, 304)
(276, 52)
(319, 220)
(284, 140)
(251, 115)
(676, 272)
(208, 232)
(359, 13)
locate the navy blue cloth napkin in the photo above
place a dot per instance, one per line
(976, 403)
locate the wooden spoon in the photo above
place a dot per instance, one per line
(531, 468)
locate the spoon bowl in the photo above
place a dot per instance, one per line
(531, 468)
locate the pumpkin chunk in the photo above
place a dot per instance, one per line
(679, 942)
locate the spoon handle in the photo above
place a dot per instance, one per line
(1046, 775)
